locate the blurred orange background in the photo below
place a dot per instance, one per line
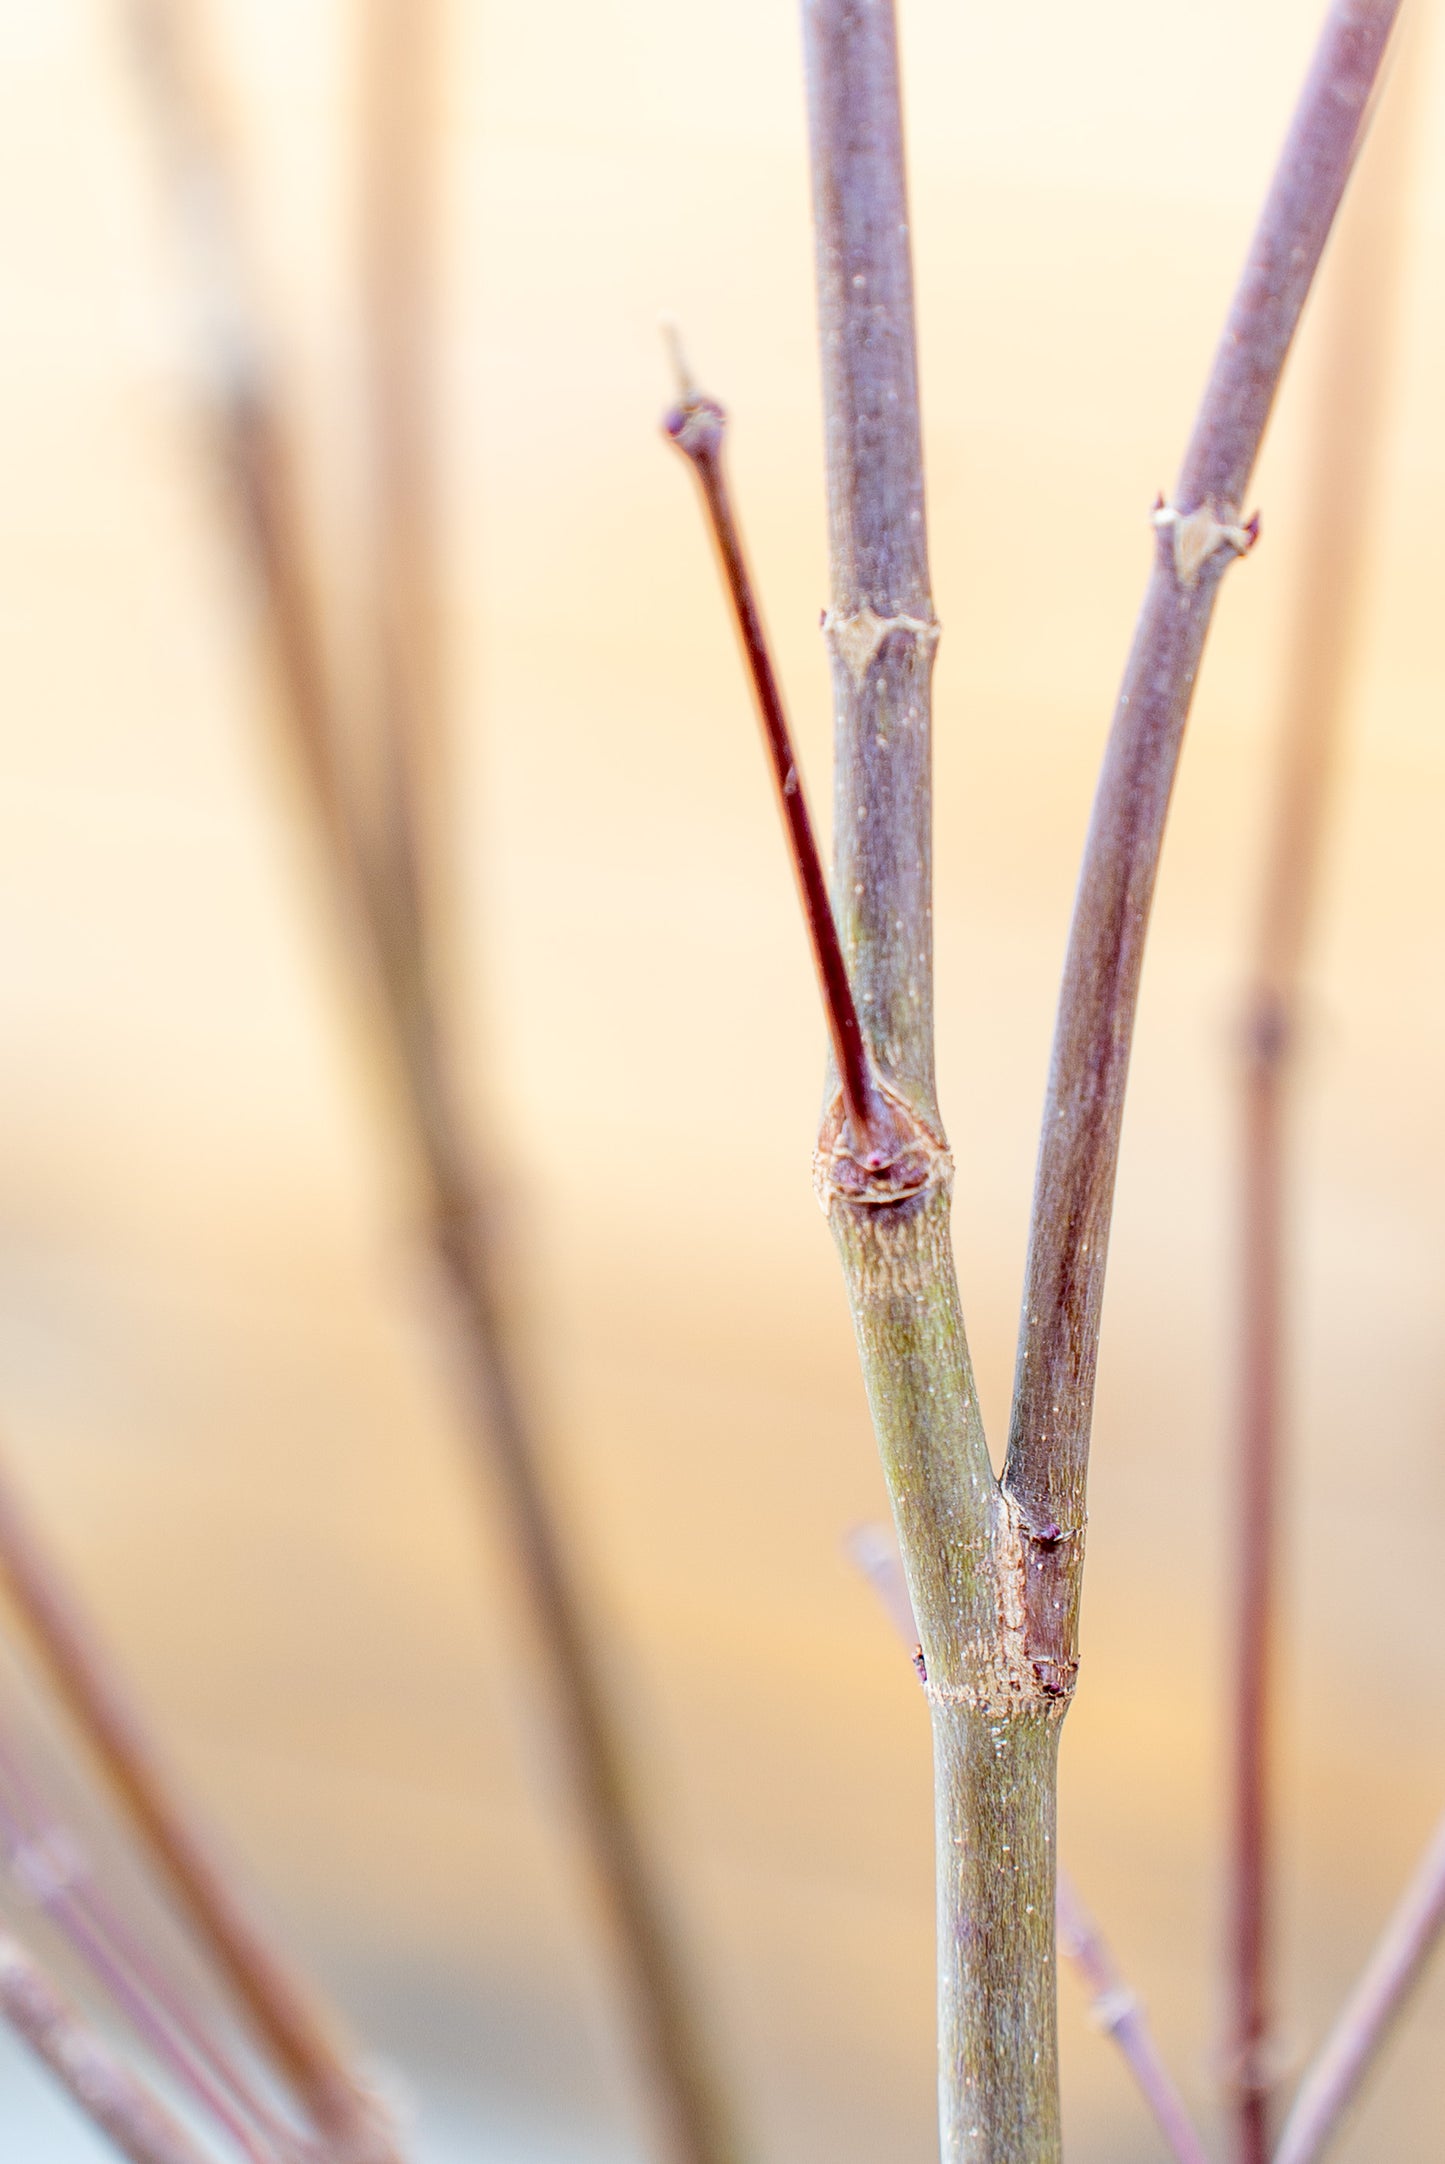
(222, 1386)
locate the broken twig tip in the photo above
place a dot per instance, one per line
(677, 354)
(696, 423)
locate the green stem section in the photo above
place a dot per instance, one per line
(916, 1369)
(995, 1724)
(995, 1785)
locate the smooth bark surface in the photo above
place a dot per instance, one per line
(1199, 535)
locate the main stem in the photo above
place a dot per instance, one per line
(995, 1719)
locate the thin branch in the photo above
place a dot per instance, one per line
(1113, 2007)
(1370, 2013)
(380, 884)
(1198, 535)
(1358, 294)
(104, 2090)
(697, 425)
(84, 1681)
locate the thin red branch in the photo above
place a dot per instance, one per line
(1370, 2013)
(1199, 535)
(697, 425)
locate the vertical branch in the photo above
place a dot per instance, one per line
(1198, 536)
(995, 1722)
(1359, 295)
(383, 879)
(113, 2099)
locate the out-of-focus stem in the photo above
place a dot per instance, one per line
(1370, 2012)
(1358, 296)
(86, 1685)
(383, 881)
(51, 1868)
(1115, 2010)
(124, 2109)
(400, 86)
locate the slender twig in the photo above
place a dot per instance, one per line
(1113, 2006)
(1370, 2013)
(380, 884)
(114, 2099)
(1358, 293)
(1199, 534)
(697, 425)
(83, 1679)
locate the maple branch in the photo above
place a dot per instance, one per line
(1374, 2006)
(1199, 534)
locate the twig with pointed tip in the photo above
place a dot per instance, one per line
(1354, 2044)
(1114, 2007)
(114, 2099)
(697, 425)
